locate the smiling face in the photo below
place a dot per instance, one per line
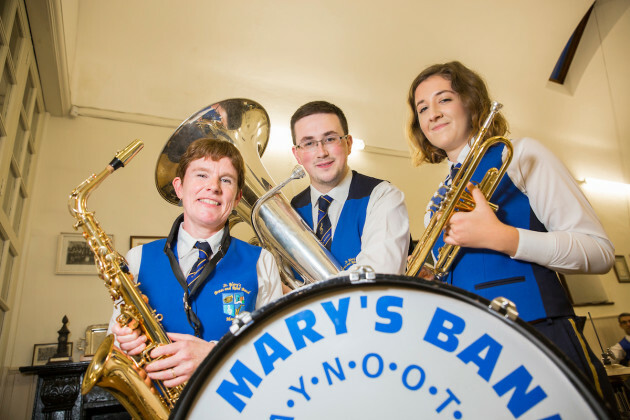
(325, 165)
(443, 118)
(209, 192)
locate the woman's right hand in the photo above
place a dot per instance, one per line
(129, 340)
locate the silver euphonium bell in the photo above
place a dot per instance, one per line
(280, 229)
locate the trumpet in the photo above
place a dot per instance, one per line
(457, 198)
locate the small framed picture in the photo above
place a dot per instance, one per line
(141, 240)
(621, 269)
(43, 352)
(74, 255)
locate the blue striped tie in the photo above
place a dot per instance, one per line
(323, 231)
(444, 187)
(204, 255)
(453, 173)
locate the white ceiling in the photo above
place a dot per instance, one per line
(171, 58)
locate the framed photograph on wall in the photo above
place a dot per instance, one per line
(43, 352)
(621, 269)
(74, 255)
(141, 240)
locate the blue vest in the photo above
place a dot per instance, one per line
(534, 289)
(625, 345)
(232, 287)
(346, 243)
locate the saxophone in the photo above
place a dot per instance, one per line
(110, 368)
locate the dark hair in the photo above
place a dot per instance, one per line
(473, 93)
(318, 107)
(215, 150)
(622, 315)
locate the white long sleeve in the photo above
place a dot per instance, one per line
(575, 241)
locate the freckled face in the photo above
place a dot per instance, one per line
(209, 193)
(443, 118)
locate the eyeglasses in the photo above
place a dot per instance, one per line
(311, 145)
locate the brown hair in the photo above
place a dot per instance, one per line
(318, 107)
(215, 150)
(473, 92)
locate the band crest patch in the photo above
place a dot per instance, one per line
(233, 302)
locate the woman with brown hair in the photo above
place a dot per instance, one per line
(544, 224)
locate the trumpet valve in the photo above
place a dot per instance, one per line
(467, 203)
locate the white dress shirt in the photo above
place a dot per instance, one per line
(385, 238)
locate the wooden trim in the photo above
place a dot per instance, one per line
(46, 25)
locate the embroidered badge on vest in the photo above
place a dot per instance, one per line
(233, 303)
(233, 299)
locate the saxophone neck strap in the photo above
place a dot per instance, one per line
(189, 292)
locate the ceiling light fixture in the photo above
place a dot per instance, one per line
(358, 144)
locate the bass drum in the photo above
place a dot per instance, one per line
(385, 347)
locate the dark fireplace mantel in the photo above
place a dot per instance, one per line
(58, 394)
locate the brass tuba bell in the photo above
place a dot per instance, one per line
(281, 230)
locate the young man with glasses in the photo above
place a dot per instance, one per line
(360, 219)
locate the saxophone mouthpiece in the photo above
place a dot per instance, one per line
(126, 154)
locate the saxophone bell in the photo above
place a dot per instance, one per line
(118, 373)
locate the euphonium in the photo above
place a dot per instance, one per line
(281, 230)
(458, 199)
(110, 368)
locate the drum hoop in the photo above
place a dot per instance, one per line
(226, 343)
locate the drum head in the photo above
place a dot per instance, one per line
(390, 347)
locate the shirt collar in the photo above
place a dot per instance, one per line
(461, 157)
(338, 193)
(185, 242)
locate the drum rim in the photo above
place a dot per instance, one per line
(576, 377)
